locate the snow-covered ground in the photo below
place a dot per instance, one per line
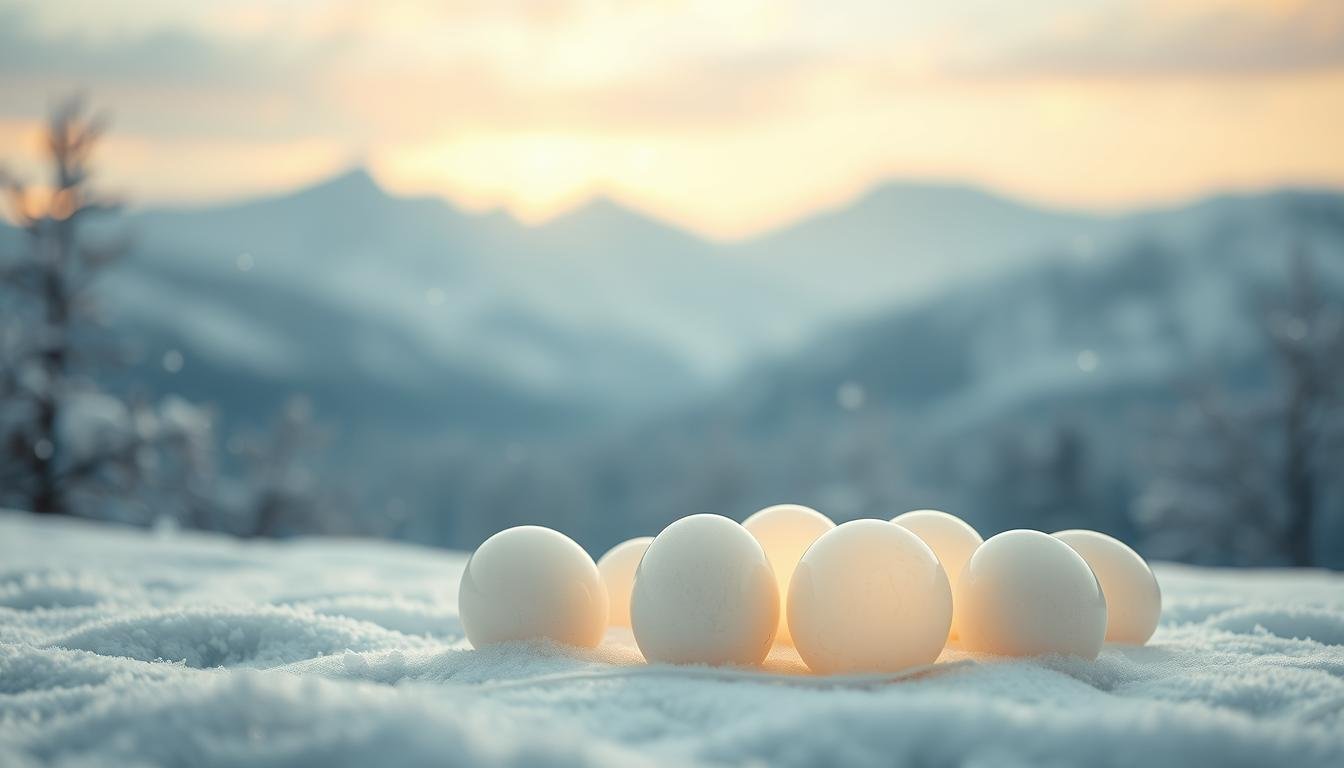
(120, 647)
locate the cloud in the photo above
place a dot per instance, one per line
(169, 81)
(473, 96)
(1179, 38)
(163, 55)
(399, 72)
(723, 115)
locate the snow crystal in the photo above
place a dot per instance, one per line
(120, 647)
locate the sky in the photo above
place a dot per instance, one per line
(725, 117)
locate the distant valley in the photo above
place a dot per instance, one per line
(607, 372)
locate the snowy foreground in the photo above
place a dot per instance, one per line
(127, 648)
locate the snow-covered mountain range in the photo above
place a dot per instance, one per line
(1077, 356)
(368, 300)
(611, 346)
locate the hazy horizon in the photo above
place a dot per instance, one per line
(1052, 264)
(727, 119)
(136, 204)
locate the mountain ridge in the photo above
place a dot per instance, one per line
(362, 178)
(642, 371)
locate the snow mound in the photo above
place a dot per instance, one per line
(124, 648)
(218, 637)
(1295, 622)
(410, 617)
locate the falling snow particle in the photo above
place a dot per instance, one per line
(851, 396)
(1088, 361)
(1084, 249)
(172, 361)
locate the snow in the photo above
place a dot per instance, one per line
(123, 647)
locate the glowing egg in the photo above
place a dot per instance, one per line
(950, 538)
(869, 596)
(531, 582)
(704, 594)
(785, 531)
(1133, 599)
(1025, 593)
(618, 574)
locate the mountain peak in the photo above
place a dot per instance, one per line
(598, 208)
(354, 181)
(604, 224)
(919, 192)
(604, 213)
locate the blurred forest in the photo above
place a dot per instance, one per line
(1175, 378)
(73, 446)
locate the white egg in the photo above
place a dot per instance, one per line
(950, 538)
(869, 596)
(704, 594)
(785, 531)
(531, 582)
(618, 567)
(1025, 593)
(1133, 599)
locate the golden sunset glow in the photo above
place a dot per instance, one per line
(726, 117)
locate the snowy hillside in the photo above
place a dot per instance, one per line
(120, 647)
(609, 373)
(368, 299)
(1039, 397)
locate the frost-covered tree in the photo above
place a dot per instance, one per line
(1038, 476)
(280, 489)
(1212, 498)
(1306, 334)
(1250, 477)
(67, 446)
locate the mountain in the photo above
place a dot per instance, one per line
(615, 371)
(1037, 397)
(604, 265)
(903, 240)
(388, 305)
(602, 308)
